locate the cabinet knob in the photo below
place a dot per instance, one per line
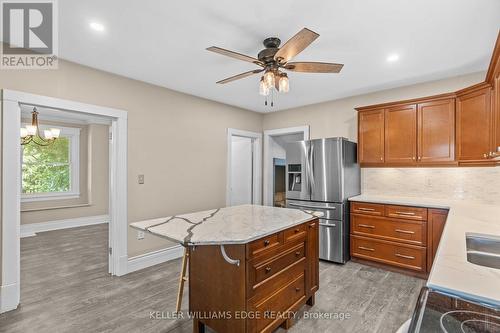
(297, 253)
(266, 242)
(485, 155)
(297, 289)
(381, 158)
(268, 269)
(297, 230)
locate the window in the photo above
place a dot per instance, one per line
(52, 172)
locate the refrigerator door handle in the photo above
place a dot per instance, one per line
(311, 168)
(310, 206)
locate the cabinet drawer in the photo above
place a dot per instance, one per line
(264, 245)
(406, 212)
(405, 256)
(367, 208)
(296, 233)
(271, 309)
(413, 232)
(260, 271)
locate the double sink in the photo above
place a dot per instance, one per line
(483, 250)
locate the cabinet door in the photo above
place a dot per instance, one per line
(401, 134)
(436, 131)
(474, 126)
(496, 106)
(371, 137)
(435, 226)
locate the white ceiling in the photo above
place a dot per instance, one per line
(163, 42)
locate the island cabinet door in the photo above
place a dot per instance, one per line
(313, 258)
(401, 134)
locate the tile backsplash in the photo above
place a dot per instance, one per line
(480, 184)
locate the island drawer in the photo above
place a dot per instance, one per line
(406, 212)
(262, 289)
(367, 208)
(296, 233)
(274, 307)
(259, 271)
(411, 232)
(405, 256)
(265, 245)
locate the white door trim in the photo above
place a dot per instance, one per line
(267, 171)
(257, 163)
(11, 184)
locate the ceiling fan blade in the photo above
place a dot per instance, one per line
(295, 45)
(313, 67)
(240, 76)
(235, 55)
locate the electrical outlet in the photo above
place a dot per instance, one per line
(140, 235)
(140, 179)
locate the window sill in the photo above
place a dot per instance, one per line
(49, 197)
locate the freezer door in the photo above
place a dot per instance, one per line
(298, 170)
(331, 242)
(326, 170)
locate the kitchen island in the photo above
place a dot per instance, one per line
(250, 267)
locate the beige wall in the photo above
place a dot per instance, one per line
(94, 181)
(338, 118)
(176, 140)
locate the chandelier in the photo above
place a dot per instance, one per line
(31, 133)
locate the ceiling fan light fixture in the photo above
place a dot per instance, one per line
(284, 83)
(269, 78)
(263, 88)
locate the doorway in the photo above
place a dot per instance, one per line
(12, 103)
(243, 169)
(275, 142)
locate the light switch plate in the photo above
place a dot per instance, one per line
(140, 179)
(140, 235)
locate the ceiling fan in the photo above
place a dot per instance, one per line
(273, 60)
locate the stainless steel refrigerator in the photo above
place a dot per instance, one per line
(321, 175)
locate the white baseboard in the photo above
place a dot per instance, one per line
(154, 258)
(9, 297)
(28, 230)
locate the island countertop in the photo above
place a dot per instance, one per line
(451, 272)
(230, 225)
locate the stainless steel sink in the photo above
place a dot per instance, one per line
(483, 250)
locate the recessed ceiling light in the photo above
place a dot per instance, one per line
(96, 26)
(393, 57)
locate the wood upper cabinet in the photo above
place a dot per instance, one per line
(496, 106)
(436, 131)
(401, 134)
(371, 137)
(474, 125)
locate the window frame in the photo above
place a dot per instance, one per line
(73, 134)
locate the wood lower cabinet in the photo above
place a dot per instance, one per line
(276, 275)
(437, 220)
(401, 134)
(436, 132)
(404, 237)
(371, 137)
(474, 125)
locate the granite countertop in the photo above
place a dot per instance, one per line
(230, 225)
(451, 272)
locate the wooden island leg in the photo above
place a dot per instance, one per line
(311, 300)
(182, 280)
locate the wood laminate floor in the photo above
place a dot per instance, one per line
(65, 287)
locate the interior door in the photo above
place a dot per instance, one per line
(241, 171)
(401, 134)
(436, 131)
(326, 170)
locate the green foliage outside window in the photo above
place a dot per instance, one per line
(46, 169)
